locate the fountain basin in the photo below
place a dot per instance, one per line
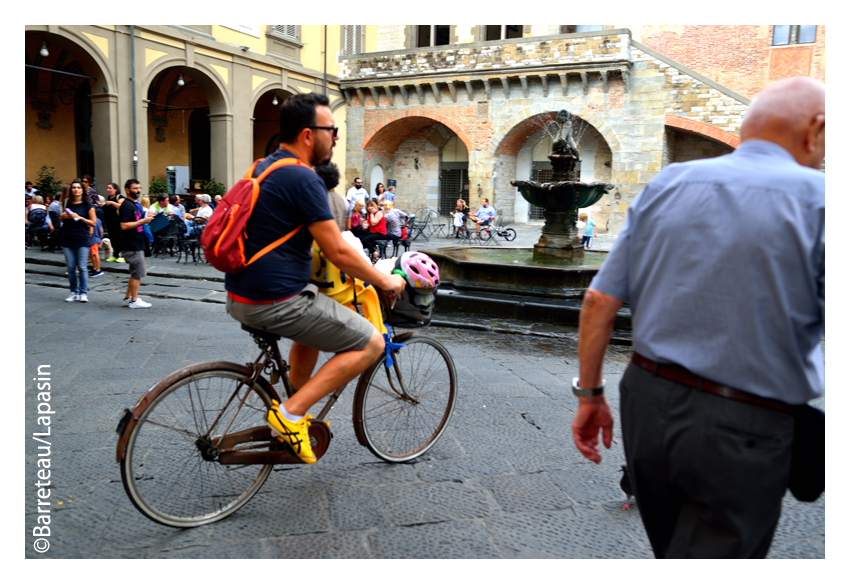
(510, 283)
(562, 196)
(516, 271)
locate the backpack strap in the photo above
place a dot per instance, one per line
(259, 179)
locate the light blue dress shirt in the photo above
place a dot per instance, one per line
(722, 263)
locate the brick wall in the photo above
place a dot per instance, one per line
(740, 57)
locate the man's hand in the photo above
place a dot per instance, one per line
(397, 284)
(593, 414)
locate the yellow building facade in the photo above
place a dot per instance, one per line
(123, 101)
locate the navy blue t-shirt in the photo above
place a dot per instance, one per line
(290, 196)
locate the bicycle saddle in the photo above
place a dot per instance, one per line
(271, 337)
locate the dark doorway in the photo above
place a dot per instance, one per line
(82, 129)
(199, 143)
(454, 185)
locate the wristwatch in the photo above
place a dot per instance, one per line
(587, 392)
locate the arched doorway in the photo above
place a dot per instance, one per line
(61, 130)
(376, 175)
(429, 162)
(181, 102)
(267, 122)
(454, 175)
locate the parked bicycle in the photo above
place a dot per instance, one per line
(195, 447)
(488, 231)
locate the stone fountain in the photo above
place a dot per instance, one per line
(545, 283)
(562, 198)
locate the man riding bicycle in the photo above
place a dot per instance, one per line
(274, 293)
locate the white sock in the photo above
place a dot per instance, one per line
(288, 416)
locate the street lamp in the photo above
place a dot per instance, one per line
(180, 81)
(274, 101)
(43, 52)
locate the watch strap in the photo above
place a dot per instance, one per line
(587, 392)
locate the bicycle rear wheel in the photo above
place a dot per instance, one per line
(171, 470)
(400, 412)
(510, 234)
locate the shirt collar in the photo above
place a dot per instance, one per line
(765, 147)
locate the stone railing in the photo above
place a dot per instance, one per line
(491, 63)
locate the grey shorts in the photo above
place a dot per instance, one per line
(310, 318)
(136, 261)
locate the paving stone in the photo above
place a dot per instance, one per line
(523, 493)
(317, 546)
(559, 534)
(589, 483)
(455, 539)
(434, 502)
(431, 469)
(355, 508)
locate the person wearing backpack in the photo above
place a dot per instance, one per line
(274, 293)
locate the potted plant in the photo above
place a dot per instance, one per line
(47, 183)
(212, 187)
(158, 185)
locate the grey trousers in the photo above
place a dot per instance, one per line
(708, 473)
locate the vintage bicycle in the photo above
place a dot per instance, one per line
(195, 447)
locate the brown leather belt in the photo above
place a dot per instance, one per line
(681, 375)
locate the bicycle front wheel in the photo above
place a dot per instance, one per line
(401, 411)
(171, 470)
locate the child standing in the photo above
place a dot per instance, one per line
(589, 231)
(94, 251)
(457, 222)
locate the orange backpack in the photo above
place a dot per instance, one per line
(223, 239)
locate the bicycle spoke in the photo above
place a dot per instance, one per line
(171, 470)
(401, 428)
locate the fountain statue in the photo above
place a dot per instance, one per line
(562, 198)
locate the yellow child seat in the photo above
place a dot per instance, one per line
(343, 288)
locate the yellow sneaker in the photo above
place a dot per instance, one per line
(293, 433)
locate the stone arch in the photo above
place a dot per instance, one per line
(707, 131)
(221, 132)
(512, 134)
(337, 103)
(91, 51)
(210, 81)
(393, 129)
(57, 141)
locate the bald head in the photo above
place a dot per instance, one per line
(792, 113)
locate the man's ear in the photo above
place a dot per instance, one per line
(815, 131)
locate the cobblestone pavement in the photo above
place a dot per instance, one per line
(505, 481)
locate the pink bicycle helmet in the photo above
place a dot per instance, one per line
(422, 273)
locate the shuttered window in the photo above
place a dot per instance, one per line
(352, 42)
(287, 31)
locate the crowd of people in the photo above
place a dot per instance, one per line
(89, 227)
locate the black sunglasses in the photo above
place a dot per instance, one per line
(334, 128)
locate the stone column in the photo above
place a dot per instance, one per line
(243, 126)
(105, 138)
(221, 148)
